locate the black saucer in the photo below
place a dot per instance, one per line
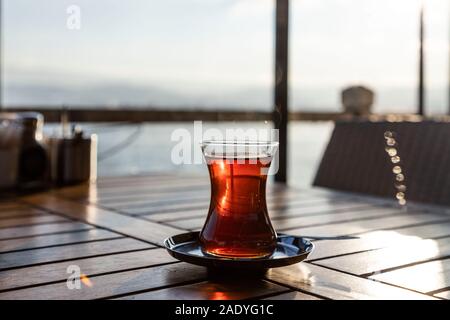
(290, 250)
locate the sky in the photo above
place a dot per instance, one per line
(212, 53)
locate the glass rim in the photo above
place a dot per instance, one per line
(256, 143)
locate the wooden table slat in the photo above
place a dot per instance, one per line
(378, 239)
(21, 212)
(444, 295)
(11, 205)
(56, 239)
(337, 285)
(115, 284)
(292, 209)
(94, 194)
(131, 181)
(137, 228)
(41, 229)
(54, 272)
(366, 263)
(144, 211)
(156, 204)
(148, 198)
(212, 290)
(45, 255)
(31, 220)
(155, 185)
(362, 226)
(416, 277)
(293, 295)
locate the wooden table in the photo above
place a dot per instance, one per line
(112, 234)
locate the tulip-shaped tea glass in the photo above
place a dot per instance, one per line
(238, 224)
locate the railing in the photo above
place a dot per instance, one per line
(134, 115)
(152, 114)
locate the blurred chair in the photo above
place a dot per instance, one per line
(357, 160)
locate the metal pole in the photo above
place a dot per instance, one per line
(421, 93)
(281, 85)
(1, 55)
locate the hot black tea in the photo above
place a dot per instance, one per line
(238, 223)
